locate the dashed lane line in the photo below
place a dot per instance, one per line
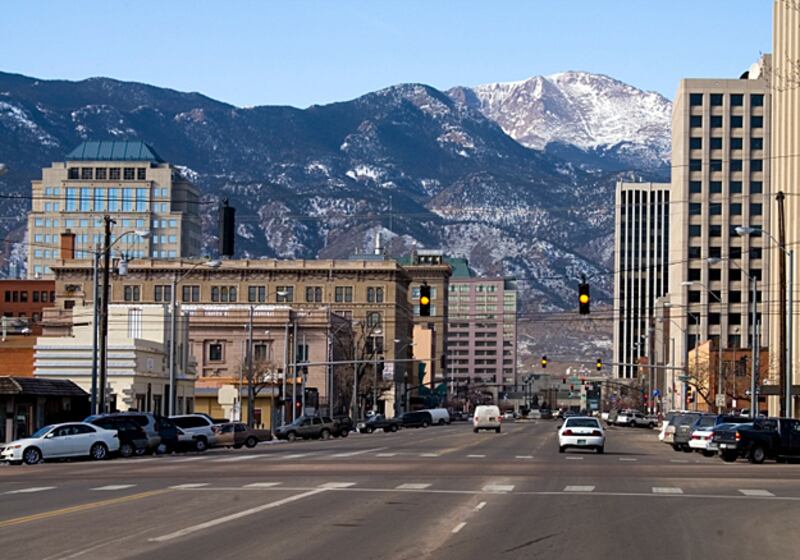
(335, 485)
(764, 493)
(413, 486)
(476, 456)
(262, 484)
(361, 452)
(113, 487)
(480, 506)
(524, 457)
(666, 490)
(30, 490)
(190, 485)
(458, 527)
(579, 489)
(498, 488)
(628, 459)
(429, 455)
(574, 458)
(386, 454)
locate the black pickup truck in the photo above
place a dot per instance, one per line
(378, 422)
(764, 438)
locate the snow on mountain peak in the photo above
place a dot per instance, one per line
(578, 108)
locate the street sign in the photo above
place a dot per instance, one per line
(388, 371)
(720, 400)
(656, 393)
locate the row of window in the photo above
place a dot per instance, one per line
(35, 296)
(736, 99)
(736, 121)
(734, 187)
(128, 199)
(734, 165)
(715, 209)
(715, 143)
(107, 173)
(255, 294)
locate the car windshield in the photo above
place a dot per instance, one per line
(706, 422)
(582, 423)
(41, 431)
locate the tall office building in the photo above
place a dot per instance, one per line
(785, 81)
(128, 181)
(720, 180)
(641, 243)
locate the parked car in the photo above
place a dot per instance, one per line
(237, 434)
(459, 416)
(584, 432)
(343, 425)
(131, 436)
(439, 416)
(764, 438)
(416, 419)
(703, 431)
(147, 420)
(535, 414)
(682, 430)
(546, 413)
(378, 422)
(200, 425)
(307, 427)
(487, 417)
(570, 414)
(73, 439)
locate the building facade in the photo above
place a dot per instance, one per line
(720, 181)
(23, 301)
(126, 180)
(482, 334)
(641, 276)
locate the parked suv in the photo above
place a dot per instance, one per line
(684, 426)
(132, 438)
(200, 426)
(307, 427)
(418, 419)
(378, 422)
(148, 421)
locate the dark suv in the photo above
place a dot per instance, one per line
(419, 419)
(307, 427)
(132, 438)
(148, 421)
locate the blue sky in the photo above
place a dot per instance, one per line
(305, 52)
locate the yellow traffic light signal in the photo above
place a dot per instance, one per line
(544, 361)
(599, 364)
(424, 300)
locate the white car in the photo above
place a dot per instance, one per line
(583, 432)
(700, 440)
(487, 417)
(74, 439)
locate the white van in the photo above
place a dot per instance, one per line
(439, 416)
(487, 417)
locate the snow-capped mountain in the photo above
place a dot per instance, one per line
(592, 112)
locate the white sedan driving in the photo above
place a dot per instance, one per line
(582, 432)
(74, 439)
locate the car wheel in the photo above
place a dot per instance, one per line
(601, 450)
(344, 432)
(387, 429)
(497, 430)
(686, 449)
(368, 430)
(325, 434)
(475, 430)
(425, 424)
(676, 447)
(98, 451)
(200, 445)
(140, 451)
(651, 425)
(707, 453)
(126, 450)
(561, 449)
(251, 442)
(757, 455)
(729, 457)
(31, 456)
(394, 427)
(291, 436)
(442, 422)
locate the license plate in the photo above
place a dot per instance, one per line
(727, 445)
(581, 442)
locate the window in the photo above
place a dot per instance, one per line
(23, 296)
(694, 274)
(694, 231)
(734, 275)
(694, 296)
(190, 294)
(736, 121)
(736, 209)
(713, 318)
(756, 187)
(86, 199)
(215, 352)
(141, 200)
(737, 100)
(99, 200)
(756, 209)
(715, 252)
(373, 320)
(695, 165)
(132, 293)
(35, 296)
(736, 165)
(735, 296)
(756, 165)
(313, 294)
(127, 199)
(695, 187)
(736, 143)
(696, 121)
(375, 295)
(716, 121)
(715, 209)
(114, 173)
(716, 143)
(756, 143)
(695, 99)
(128, 174)
(87, 173)
(695, 208)
(714, 274)
(73, 173)
(141, 174)
(134, 323)
(735, 187)
(696, 143)
(756, 121)
(757, 100)
(163, 293)
(284, 294)
(100, 173)
(694, 252)
(716, 186)
(715, 230)
(343, 294)
(260, 352)
(257, 294)
(716, 165)
(716, 99)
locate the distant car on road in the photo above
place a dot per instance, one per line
(546, 413)
(764, 438)
(132, 438)
(308, 427)
(237, 434)
(378, 422)
(416, 419)
(583, 432)
(439, 416)
(487, 417)
(535, 414)
(704, 428)
(200, 425)
(74, 439)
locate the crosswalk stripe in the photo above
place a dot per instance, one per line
(385, 454)
(678, 461)
(765, 493)
(629, 459)
(190, 485)
(236, 459)
(498, 488)
(112, 487)
(337, 485)
(188, 459)
(524, 456)
(579, 489)
(476, 456)
(354, 453)
(666, 490)
(30, 490)
(429, 455)
(574, 458)
(296, 455)
(413, 486)
(262, 484)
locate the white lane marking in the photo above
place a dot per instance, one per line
(30, 490)
(480, 506)
(574, 458)
(296, 455)
(262, 484)
(329, 485)
(524, 456)
(476, 456)
(678, 461)
(112, 487)
(747, 492)
(579, 489)
(385, 454)
(429, 455)
(458, 527)
(186, 460)
(666, 490)
(237, 459)
(630, 459)
(190, 485)
(235, 516)
(413, 486)
(354, 453)
(498, 488)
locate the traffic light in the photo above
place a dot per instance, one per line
(583, 298)
(563, 380)
(424, 300)
(544, 361)
(227, 229)
(599, 364)
(689, 395)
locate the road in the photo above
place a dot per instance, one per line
(440, 492)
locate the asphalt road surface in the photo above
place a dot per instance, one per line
(440, 492)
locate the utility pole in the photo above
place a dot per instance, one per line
(294, 373)
(104, 314)
(95, 326)
(355, 379)
(782, 365)
(285, 370)
(173, 307)
(251, 394)
(754, 350)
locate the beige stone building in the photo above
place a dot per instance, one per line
(720, 180)
(124, 179)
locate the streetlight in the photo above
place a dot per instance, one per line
(398, 353)
(173, 308)
(719, 344)
(98, 393)
(789, 342)
(696, 318)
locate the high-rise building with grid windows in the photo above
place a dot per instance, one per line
(124, 179)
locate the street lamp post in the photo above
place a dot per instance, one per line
(719, 344)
